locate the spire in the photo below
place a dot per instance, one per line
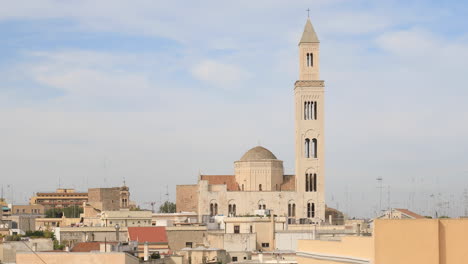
(309, 35)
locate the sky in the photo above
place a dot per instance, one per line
(93, 93)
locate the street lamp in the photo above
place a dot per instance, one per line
(117, 228)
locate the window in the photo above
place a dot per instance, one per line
(213, 208)
(310, 148)
(311, 182)
(310, 210)
(310, 110)
(231, 209)
(234, 259)
(259, 187)
(314, 148)
(310, 59)
(188, 244)
(242, 186)
(251, 229)
(236, 229)
(291, 209)
(265, 245)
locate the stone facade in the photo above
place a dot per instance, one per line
(259, 181)
(109, 199)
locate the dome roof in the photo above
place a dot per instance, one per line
(258, 153)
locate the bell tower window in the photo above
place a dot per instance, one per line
(310, 147)
(310, 60)
(310, 110)
(310, 210)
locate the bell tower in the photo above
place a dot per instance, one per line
(309, 126)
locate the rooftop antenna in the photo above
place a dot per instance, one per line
(308, 12)
(388, 197)
(167, 193)
(465, 195)
(379, 181)
(59, 183)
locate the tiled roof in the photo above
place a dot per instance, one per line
(86, 247)
(410, 213)
(229, 180)
(150, 234)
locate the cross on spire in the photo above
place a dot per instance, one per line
(308, 14)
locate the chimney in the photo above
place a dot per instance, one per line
(145, 252)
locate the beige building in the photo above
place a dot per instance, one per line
(418, 241)
(76, 258)
(59, 199)
(397, 213)
(35, 209)
(259, 181)
(102, 199)
(9, 249)
(203, 255)
(126, 218)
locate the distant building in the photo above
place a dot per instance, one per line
(102, 199)
(204, 255)
(34, 209)
(76, 258)
(59, 199)
(259, 181)
(9, 249)
(154, 238)
(397, 213)
(126, 218)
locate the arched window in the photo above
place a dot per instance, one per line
(310, 182)
(314, 184)
(291, 209)
(305, 110)
(213, 208)
(313, 149)
(259, 187)
(307, 148)
(308, 59)
(231, 208)
(261, 205)
(315, 111)
(310, 209)
(311, 55)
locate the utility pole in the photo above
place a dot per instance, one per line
(379, 182)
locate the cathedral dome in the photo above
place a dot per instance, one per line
(258, 153)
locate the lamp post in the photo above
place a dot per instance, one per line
(117, 228)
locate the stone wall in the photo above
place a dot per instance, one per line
(187, 198)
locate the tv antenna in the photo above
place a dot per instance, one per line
(379, 182)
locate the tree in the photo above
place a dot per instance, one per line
(167, 207)
(69, 212)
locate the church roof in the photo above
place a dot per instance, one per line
(229, 180)
(309, 35)
(258, 153)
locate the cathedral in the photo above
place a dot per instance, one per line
(259, 181)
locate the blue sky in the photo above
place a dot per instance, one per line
(157, 91)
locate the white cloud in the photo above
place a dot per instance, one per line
(219, 74)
